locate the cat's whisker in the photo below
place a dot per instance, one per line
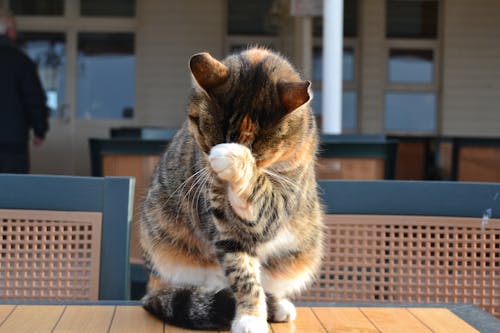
(287, 183)
(180, 188)
(210, 183)
(182, 193)
(284, 181)
(187, 193)
(194, 186)
(200, 190)
(206, 188)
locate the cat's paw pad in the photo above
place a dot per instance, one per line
(220, 162)
(285, 311)
(249, 324)
(228, 160)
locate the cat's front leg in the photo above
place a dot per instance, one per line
(243, 274)
(235, 164)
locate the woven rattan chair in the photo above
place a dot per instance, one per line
(64, 237)
(392, 241)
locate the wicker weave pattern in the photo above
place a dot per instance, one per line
(410, 259)
(47, 255)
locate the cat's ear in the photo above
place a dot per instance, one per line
(293, 94)
(208, 71)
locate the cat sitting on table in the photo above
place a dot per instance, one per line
(231, 224)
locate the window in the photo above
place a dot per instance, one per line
(348, 64)
(412, 18)
(251, 18)
(37, 7)
(117, 8)
(251, 23)
(349, 107)
(415, 66)
(106, 67)
(350, 27)
(84, 50)
(48, 51)
(410, 112)
(103, 87)
(412, 62)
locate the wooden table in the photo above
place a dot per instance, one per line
(130, 317)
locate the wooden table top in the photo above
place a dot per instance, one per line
(132, 318)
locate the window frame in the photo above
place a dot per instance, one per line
(412, 43)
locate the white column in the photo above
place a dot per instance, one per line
(333, 15)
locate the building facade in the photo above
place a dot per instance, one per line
(409, 67)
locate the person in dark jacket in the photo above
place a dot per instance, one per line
(23, 104)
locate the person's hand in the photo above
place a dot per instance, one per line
(37, 141)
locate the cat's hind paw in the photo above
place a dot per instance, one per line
(285, 311)
(249, 324)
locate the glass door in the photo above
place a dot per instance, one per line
(85, 53)
(105, 78)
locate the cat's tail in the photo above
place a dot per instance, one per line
(192, 308)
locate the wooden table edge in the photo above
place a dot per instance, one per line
(471, 314)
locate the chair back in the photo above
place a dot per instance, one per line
(65, 237)
(402, 241)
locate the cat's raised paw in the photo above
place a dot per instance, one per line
(285, 311)
(249, 324)
(230, 160)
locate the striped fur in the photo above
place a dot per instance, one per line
(231, 224)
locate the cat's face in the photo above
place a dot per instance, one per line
(255, 99)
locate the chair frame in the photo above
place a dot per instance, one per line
(108, 195)
(397, 226)
(430, 198)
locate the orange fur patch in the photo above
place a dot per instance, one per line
(302, 154)
(155, 283)
(174, 256)
(272, 157)
(256, 55)
(247, 131)
(292, 268)
(294, 155)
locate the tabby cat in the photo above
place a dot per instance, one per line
(231, 224)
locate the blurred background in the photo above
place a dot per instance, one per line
(423, 72)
